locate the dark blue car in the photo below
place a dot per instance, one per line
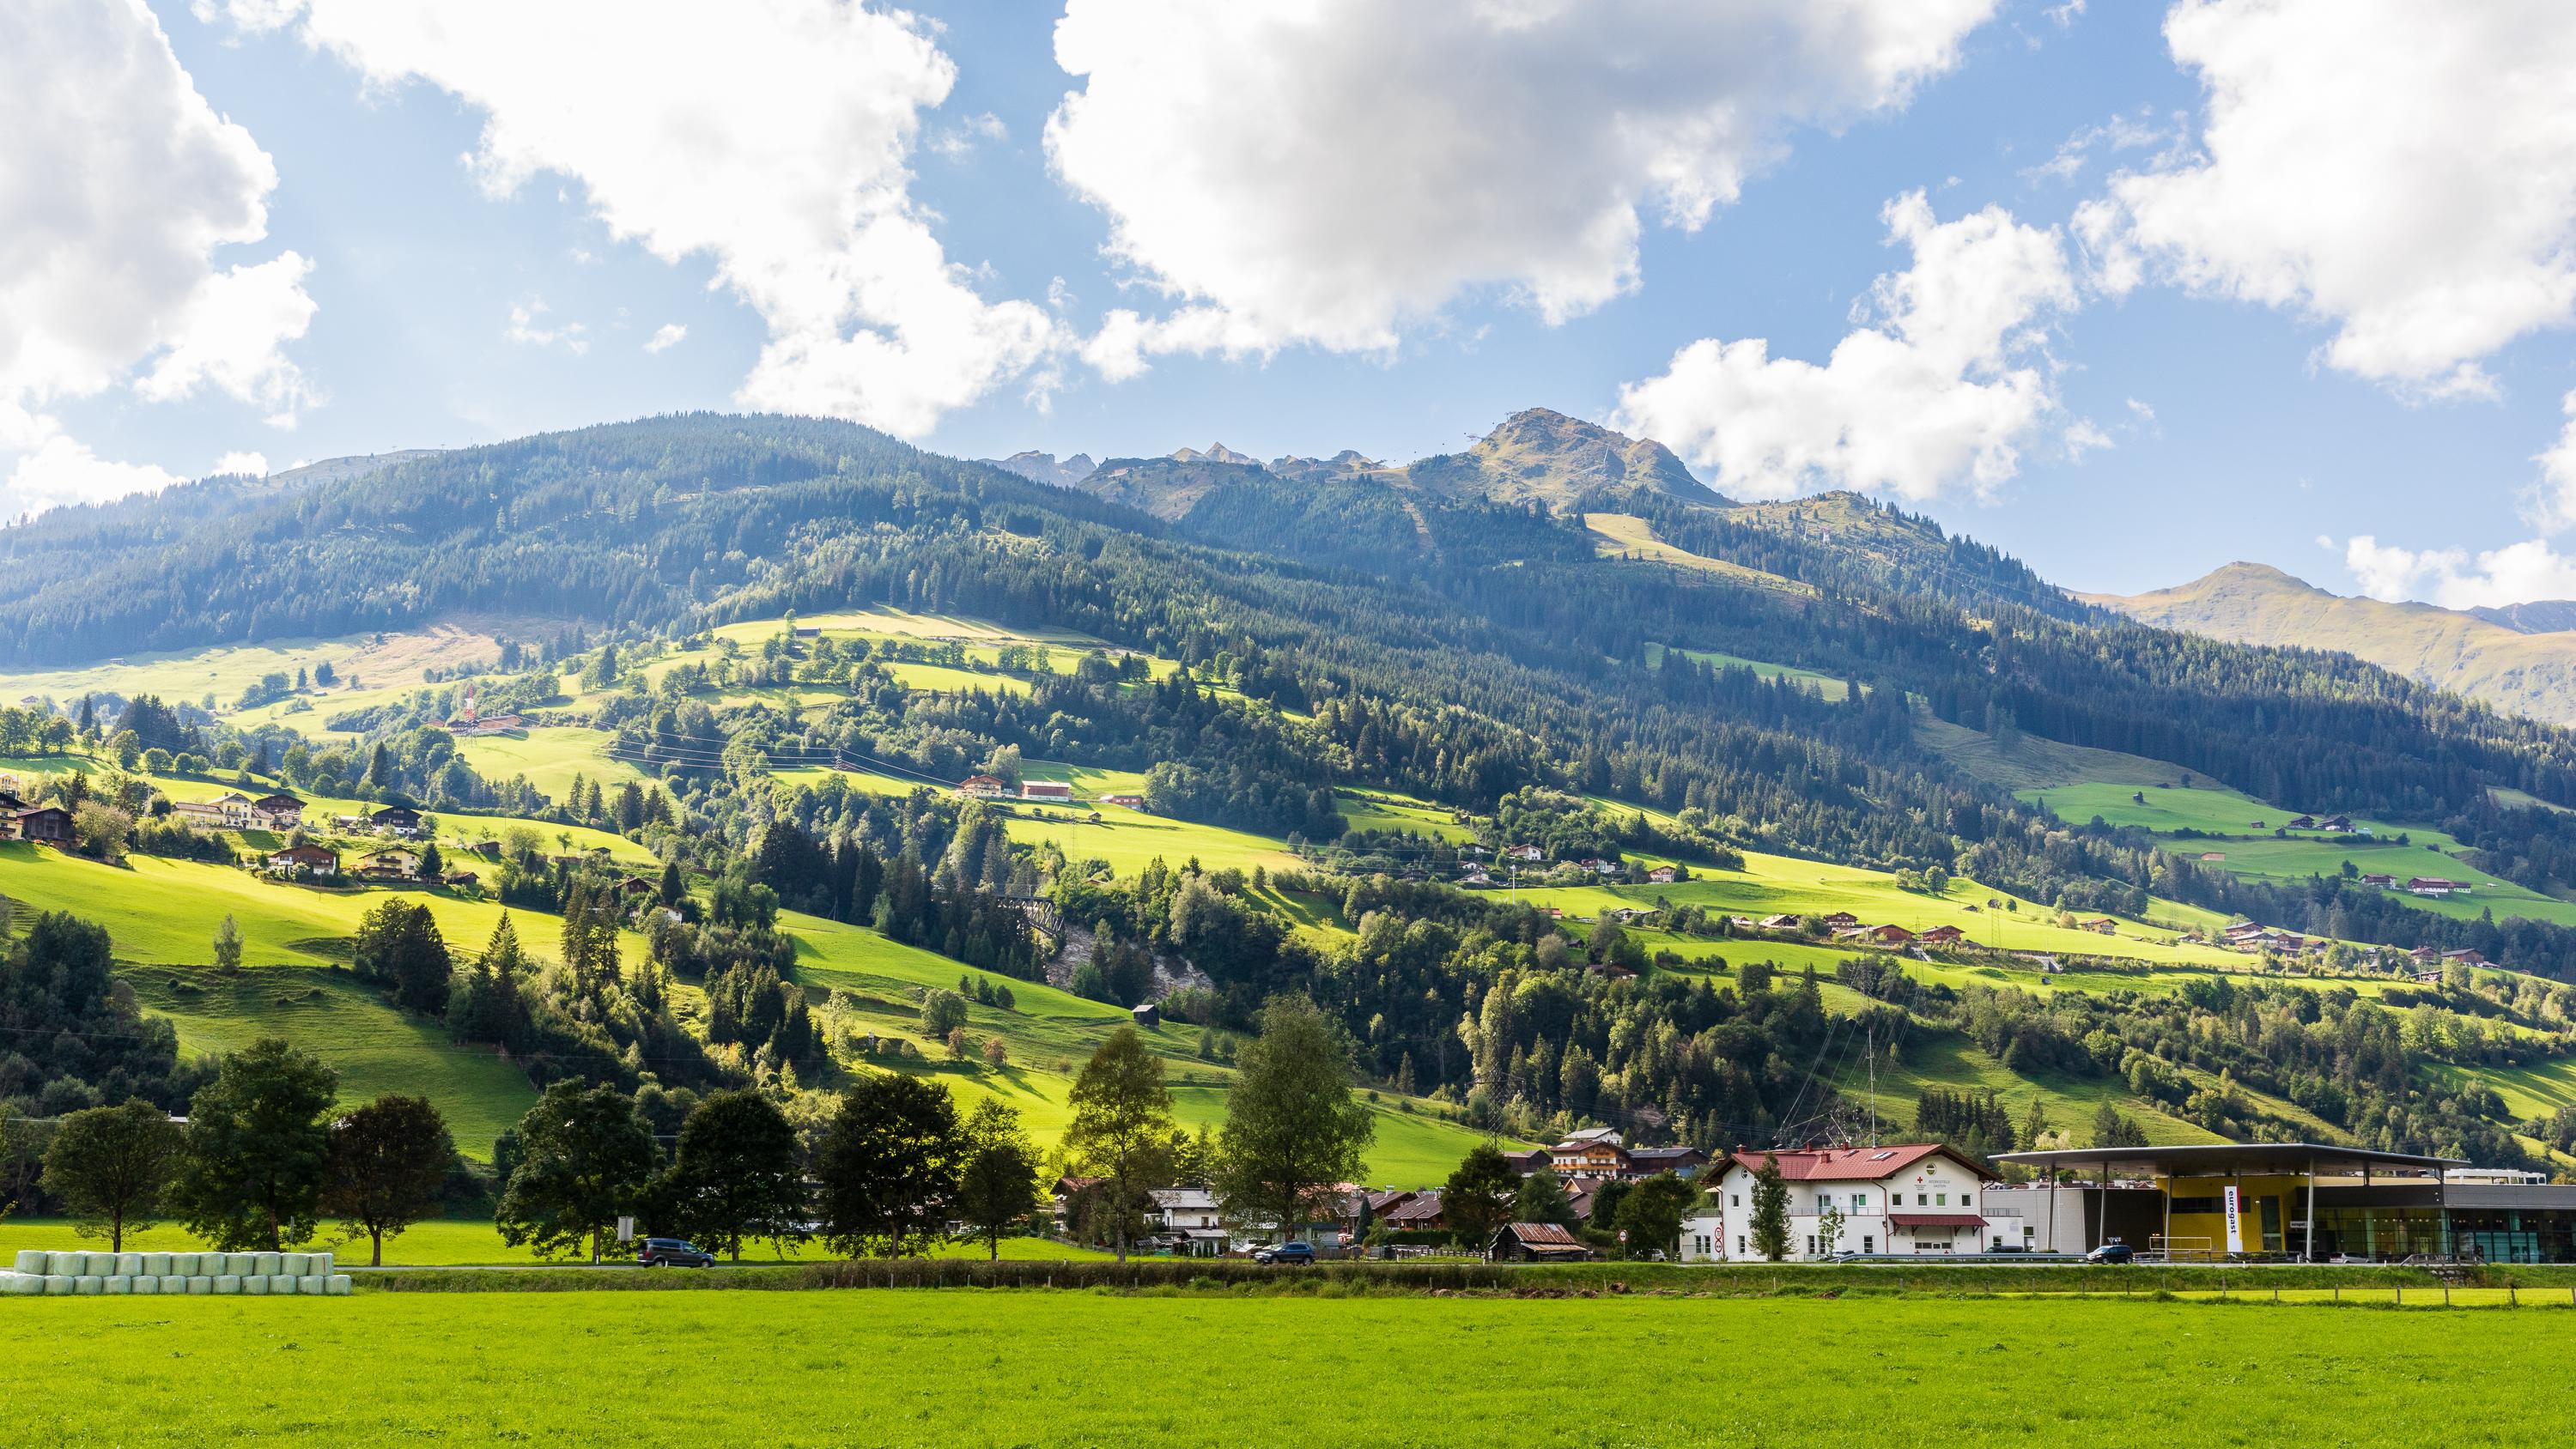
(1286, 1253)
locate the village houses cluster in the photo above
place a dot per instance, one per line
(1914, 1199)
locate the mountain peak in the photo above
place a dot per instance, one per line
(1216, 453)
(1545, 455)
(1043, 468)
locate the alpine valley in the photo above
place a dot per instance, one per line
(703, 751)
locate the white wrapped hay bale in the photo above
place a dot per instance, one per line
(97, 1265)
(200, 1283)
(65, 1265)
(57, 1286)
(145, 1283)
(313, 1285)
(34, 1261)
(156, 1264)
(321, 1265)
(228, 1283)
(26, 1285)
(129, 1264)
(295, 1264)
(116, 1283)
(265, 1264)
(252, 1285)
(89, 1285)
(183, 1264)
(175, 1283)
(339, 1285)
(282, 1283)
(241, 1265)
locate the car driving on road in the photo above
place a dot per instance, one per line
(672, 1253)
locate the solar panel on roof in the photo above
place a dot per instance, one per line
(1882, 1157)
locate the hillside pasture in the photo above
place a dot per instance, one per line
(163, 912)
(375, 1048)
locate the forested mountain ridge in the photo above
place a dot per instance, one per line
(1455, 647)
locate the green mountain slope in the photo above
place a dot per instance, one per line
(2530, 673)
(797, 634)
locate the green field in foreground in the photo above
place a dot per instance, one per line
(954, 1368)
(452, 1242)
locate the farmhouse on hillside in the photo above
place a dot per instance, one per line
(2436, 886)
(48, 823)
(280, 811)
(311, 859)
(984, 787)
(396, 820)
(1046, 791)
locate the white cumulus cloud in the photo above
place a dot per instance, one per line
(254, 464)
(120, 188)
(1327, 172)
(665, 337)
(2514, 574)
(2402, 173)
(771, 136)
(1944, 382)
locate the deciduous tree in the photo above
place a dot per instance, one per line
(1122, 1122)
(109, 1165)
(388, 1160)
(888, 1167)
(740, 1174)
(259, 1149)
(1293, 1128)
(1479, 1196)
(997, 1180)
(584, 1156)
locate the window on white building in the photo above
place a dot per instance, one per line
(1941, 1199)
(1739, 1245)
(1860, 1200)
(1868, 1244)
(1824, 1200)
(1811, 1245)
(1922, 1200)
(1963, 1200)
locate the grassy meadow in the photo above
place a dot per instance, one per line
(915, 1367)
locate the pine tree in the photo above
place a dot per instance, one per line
(1770, 1227)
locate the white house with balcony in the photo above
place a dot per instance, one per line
(1914, 1198)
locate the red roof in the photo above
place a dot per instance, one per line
(1936, 1220)
(1543, 1235)
(1850, 1164)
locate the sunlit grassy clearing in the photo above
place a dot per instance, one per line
(375, 1048)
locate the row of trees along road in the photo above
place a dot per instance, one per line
(265, 1156)
(897, 1166)
(887, 1173)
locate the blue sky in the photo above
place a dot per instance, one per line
(2126, 381)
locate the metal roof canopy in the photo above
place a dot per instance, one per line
(2224, 1159)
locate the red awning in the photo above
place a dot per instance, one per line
(1936, 1220)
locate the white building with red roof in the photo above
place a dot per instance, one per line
(1907, 1199)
